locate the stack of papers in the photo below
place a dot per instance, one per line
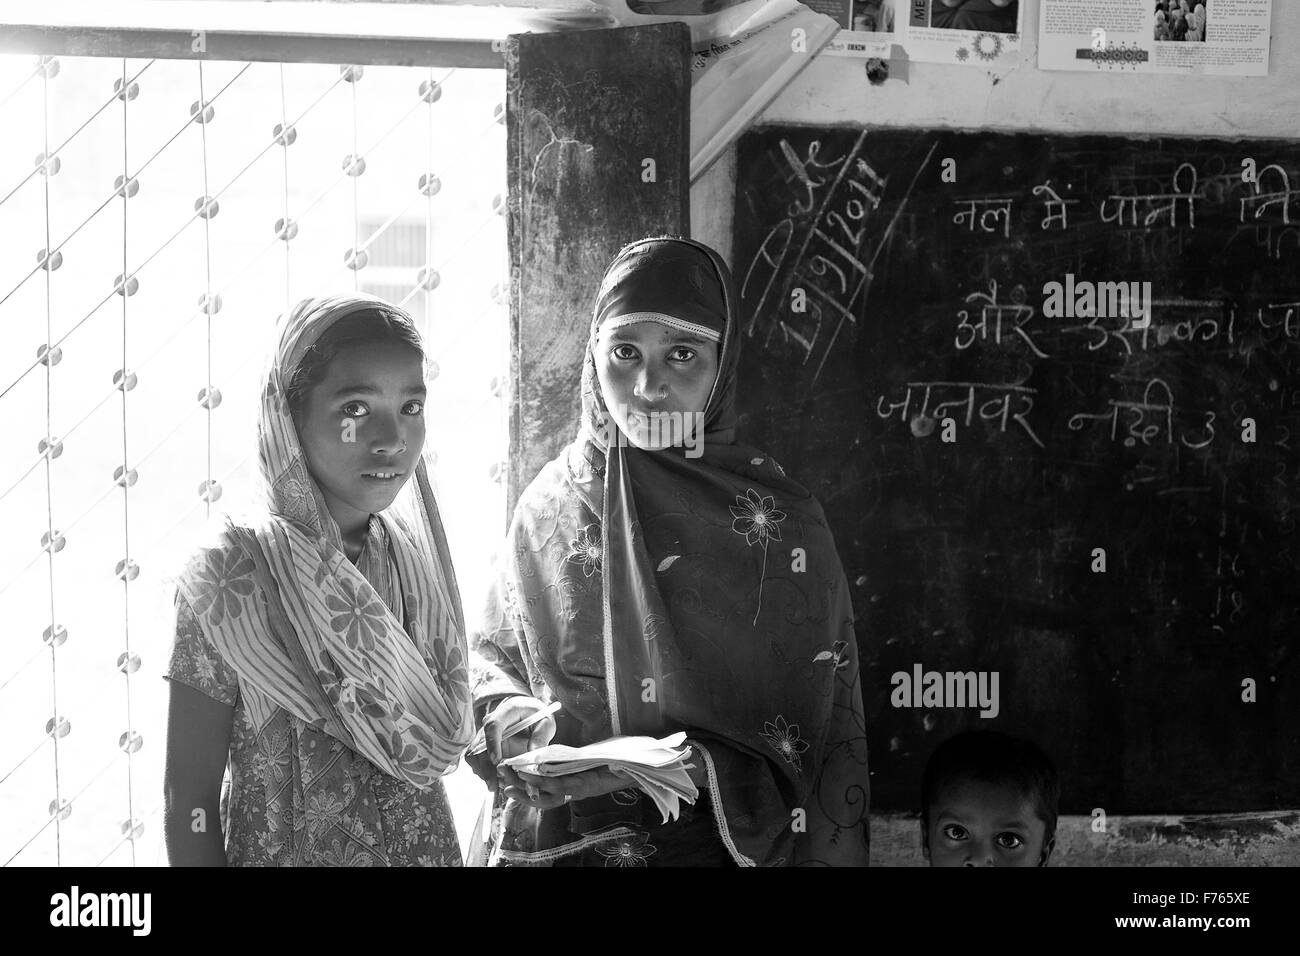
(658, 767)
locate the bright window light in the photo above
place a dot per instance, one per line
(156, 216)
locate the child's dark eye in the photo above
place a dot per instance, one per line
(361, 409)
(413, 407)
(1009, 841)
(682, 354)
(624, 352)
(954, 832)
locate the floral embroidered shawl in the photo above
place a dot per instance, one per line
(304, 629)
(651, 592)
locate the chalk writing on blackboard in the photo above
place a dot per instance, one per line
(827, 245)
(1058, 209)
(1018, 313)
(1174, 447)
(1141, 210)
(1271, 239)
(1157, 400)
(994, 409)
(1181, 321)
(1146, 247)
(1262, 201)
(1163, 203)
(990, 209)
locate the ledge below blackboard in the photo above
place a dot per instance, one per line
(1237, 839)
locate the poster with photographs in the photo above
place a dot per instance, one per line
(1216, 37)
(977, 32)
(867, 27)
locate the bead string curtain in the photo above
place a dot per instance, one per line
(203, 198)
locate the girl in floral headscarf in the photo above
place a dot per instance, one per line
(660, 576)
(319, 651)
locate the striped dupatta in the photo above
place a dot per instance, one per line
(305, 630)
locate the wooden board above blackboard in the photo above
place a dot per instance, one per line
(890, 306)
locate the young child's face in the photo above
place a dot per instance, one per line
(649, 371)
(380, 388)
(977, 823)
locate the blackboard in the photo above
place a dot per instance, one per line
(895, 292)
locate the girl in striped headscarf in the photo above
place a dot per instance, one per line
(319, 651)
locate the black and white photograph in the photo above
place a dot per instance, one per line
(1179, 20)
(873, 16)
(613, 434)
(983, 16)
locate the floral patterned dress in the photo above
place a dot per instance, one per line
(353, 813)
(652, 592)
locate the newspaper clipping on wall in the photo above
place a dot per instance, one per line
(975, 32)
(1223, 37)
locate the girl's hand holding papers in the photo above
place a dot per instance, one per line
(560, 774)
(553, 791)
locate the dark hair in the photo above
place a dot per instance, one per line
(997, 758)
(365, 327)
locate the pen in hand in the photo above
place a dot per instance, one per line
(480, 746)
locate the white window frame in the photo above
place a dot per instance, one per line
(463, 34)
